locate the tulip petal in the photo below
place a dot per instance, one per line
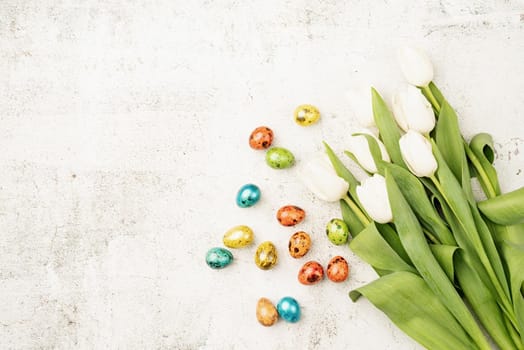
(415, 66)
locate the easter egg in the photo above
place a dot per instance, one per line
(299, 244)
(248, 195)
(267, 313)
(311, 273)
(306, 115)
(290, 215)
(261, 138)
(238, 237)
(218, 258)
(337, 231)
(337, 269)
(289, 309)
(279, 158)
(266, 255)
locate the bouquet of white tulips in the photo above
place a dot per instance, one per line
(451, 269)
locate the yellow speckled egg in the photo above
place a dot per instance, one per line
(306, 115)
(267, 313)
(238, 237)
(266, 255)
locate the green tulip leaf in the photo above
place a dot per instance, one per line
(506, 209)
(514, 257)
(412, 237)
(407, 300)
(483, 303)
(449, 140)
(369, 242)
(471, 233)
(413, 190)
(387, 126)
(481, 155)
(445, 255)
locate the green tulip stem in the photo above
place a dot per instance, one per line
(354, 207)
(483, 177)
(431, 98)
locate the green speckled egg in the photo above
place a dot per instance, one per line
(218, 258)
(238, 237)
(266, 255)
(337, 231)
(279, 158)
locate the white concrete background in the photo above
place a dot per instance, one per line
(123, 138)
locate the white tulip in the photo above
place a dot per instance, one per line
(417, 153)
(415, 65)
(359, 100)
(358, 145)
(319, 176)
(412, 111)
(373, 195)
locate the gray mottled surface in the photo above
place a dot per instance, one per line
(123, 137)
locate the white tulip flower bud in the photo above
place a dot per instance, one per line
(415, 65)
(373, 195)
(412, 111)
(417, 153)
(319, 176)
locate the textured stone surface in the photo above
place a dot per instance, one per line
(123, 130)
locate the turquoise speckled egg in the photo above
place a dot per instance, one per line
(218, 258)
(248, 195)
(289, 309)
(279, 158)
(337, 231)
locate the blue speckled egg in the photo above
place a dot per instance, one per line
(289, 309)
(218, 258)
(248, 195)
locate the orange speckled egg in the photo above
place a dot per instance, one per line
(299, 244)
(261, 138)
(311, 273)
(338, 269)
(290, 215)
(267, 313)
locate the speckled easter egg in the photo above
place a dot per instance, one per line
(290, 215)
(279, 158)
(337, 269)
(238, 237)
(306, 115)
(261, 138)
(337, 231)
(248, 195)
(218, 258)
(267, 313)
(311, 273)
(289, 309)
(299, 244)
(266, 255)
